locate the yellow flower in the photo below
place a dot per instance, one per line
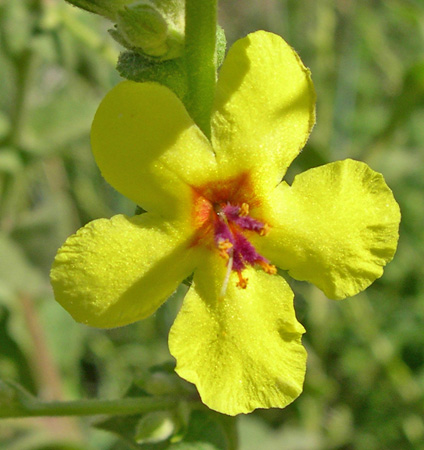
(219, 209)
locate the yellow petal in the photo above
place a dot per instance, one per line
(337, 226)
(264, 108)
(114, 272)
(243, 351)
(148, 148)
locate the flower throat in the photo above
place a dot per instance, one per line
(223, 213)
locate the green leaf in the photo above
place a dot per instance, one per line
(60, 116)
(10, 161)
(44, 228)
(16, 272)
(96, 7)
(122, 426)
(4, 123)
(205, 432)
(18, 22)
(162, 379)
(13, 399)
(13, 361)
(179, 429)
(410, 98)
(170, 73)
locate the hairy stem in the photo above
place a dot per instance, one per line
(89, 407)
(200, 44)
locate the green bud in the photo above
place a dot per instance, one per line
(160, 383)
(154, 29)
(143, 27)
(155, 427)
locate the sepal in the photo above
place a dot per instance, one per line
(171, 73)
(105, 8)
(221, 45)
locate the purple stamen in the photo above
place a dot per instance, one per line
(241, 250)
(231, 211)
(246, 250)
(246, 222)
(238, 262)
(223, 232)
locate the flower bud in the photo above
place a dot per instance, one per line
(155, 427)
(142, 26)
(154, 28)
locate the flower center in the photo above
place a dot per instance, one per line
(222, 211)
(234, 247)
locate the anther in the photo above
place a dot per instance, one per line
(268, 268)
(265, 230)
(244, 210)
(224, 247)
(242, 282)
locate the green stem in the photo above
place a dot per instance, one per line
(23, 65)
(230, 425)
(126, 406)
(200, 43)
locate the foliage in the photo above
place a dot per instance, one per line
(365, 382)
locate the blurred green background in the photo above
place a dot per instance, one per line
(364, 388)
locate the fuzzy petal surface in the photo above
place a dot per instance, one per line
(242, 351)
(336, 226)
(264, 108)
(148, 148)
(115, 271)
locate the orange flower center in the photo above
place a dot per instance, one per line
(222, 216)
